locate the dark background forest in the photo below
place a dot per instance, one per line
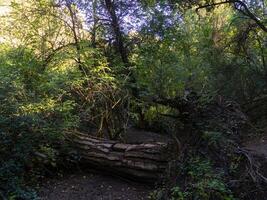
(193, 71)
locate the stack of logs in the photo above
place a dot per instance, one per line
(147, 161)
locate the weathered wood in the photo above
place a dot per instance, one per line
(146, 161)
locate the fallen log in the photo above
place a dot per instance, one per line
(147, 161)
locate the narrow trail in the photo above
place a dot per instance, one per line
(258, 146)
(97, 186)
(93, 186)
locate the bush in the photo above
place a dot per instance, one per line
(16, 149)
(198, 180)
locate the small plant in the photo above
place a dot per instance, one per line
(198, 180)
(202, 182)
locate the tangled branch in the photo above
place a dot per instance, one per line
(241, 7)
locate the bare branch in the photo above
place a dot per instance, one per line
(245, 12)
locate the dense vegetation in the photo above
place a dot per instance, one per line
(194, 70)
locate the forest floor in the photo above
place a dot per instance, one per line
(258, 146)
(93, 186)
(98, 186)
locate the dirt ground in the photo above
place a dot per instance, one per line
(258, 146)
(93, 186)
(96, 186)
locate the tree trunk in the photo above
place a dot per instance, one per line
(117, 32)
(95, 22)
(147, 161)
(75, 32)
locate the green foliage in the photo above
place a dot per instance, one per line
(214, 139)
(199, 180)
(24, 122)
(39, 106)
(206, 182)
(16, 147)
(208, 52)
(59, 73)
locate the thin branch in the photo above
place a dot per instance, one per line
(245, 12)
(212, 5)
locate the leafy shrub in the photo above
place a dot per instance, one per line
(39, 106)
(198, 180)
(31, 122)
(16, 149)
(204, 182)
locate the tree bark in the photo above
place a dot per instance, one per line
(95, 22)
(245, 11)
(117, 31)
(147, 161)
(74, 25)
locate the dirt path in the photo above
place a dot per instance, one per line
(258, 146)
(91, 186)
(95, 186)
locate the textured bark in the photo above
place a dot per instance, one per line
(110, 6)
(147, 161)
(75, 32)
